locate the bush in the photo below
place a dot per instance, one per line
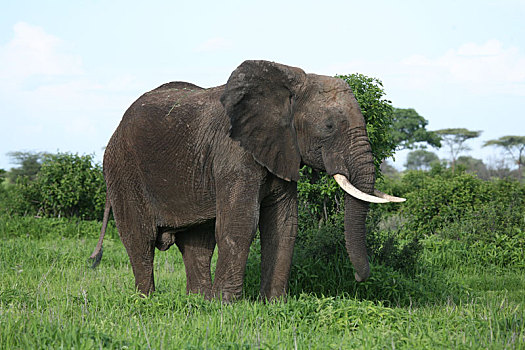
(320, 199)
(486, 218)
(441, 200)
(378, 113)
(386, 248)
(66, 185)
(12, 201)
(320, 244)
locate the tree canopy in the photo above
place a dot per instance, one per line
(409, 130)
(473, 165)
(514, 146)
(421, 160)
(378, 113)
(455, 139)
(29, 164)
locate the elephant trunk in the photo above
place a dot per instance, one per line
(355, 173)
(362, 177)
(355, 216)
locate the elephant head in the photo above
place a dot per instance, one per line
(285, 118)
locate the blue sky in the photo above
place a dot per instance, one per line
(69, 69)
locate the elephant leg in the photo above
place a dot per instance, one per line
(278, 229)
(197, 245)
(236, 224)
(138, 234)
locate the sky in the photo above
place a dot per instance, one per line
(69, 69)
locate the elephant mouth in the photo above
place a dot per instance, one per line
(378, 197)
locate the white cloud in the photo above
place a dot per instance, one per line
(50, 99)
(482, 69)
(213, 44)
(34, 53)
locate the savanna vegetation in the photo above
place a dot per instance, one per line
(448, 265)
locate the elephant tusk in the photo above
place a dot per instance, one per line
(354, 192)
(388, 197)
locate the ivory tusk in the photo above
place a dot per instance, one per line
(354, 192)
(388, 197)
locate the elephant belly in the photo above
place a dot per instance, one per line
(179, 207)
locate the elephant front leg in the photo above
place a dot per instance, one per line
(278, 229)
(237, 217)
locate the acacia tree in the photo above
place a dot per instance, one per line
(455, 139)
(514, 146)
(29, 164)
(409, 130)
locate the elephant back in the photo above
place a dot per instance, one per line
(178, 85)
(165, 97)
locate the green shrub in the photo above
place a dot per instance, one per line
(320, 199)
(321, 225)
(378, 113)
(321, 243)
(386, 248)
(486, 218)
(442, 200)
(12, 201)
(66, 185)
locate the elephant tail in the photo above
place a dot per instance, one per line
(97, 253)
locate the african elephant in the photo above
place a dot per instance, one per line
(203, 167)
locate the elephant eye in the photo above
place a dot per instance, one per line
(329, 125)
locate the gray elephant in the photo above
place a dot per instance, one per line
(203, 167)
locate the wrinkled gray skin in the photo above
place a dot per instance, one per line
(203, 167)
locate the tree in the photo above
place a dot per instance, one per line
(455, 140)
(409, 130)
(473, 165)
(514, 146)
(29, 164)
(378, 113)
(389, 170)
(421, 160)
(67, 185)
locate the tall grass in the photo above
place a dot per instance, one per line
(50, 298)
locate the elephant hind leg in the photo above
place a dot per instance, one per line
(142, 264)
(138, 234)
(197, 245)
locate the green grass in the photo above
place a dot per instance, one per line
(50, 298)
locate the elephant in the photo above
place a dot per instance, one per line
(201, 168)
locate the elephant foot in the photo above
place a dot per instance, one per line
(145, 288)
(273, 299)
(225, 296)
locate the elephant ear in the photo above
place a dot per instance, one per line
(258, 99)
